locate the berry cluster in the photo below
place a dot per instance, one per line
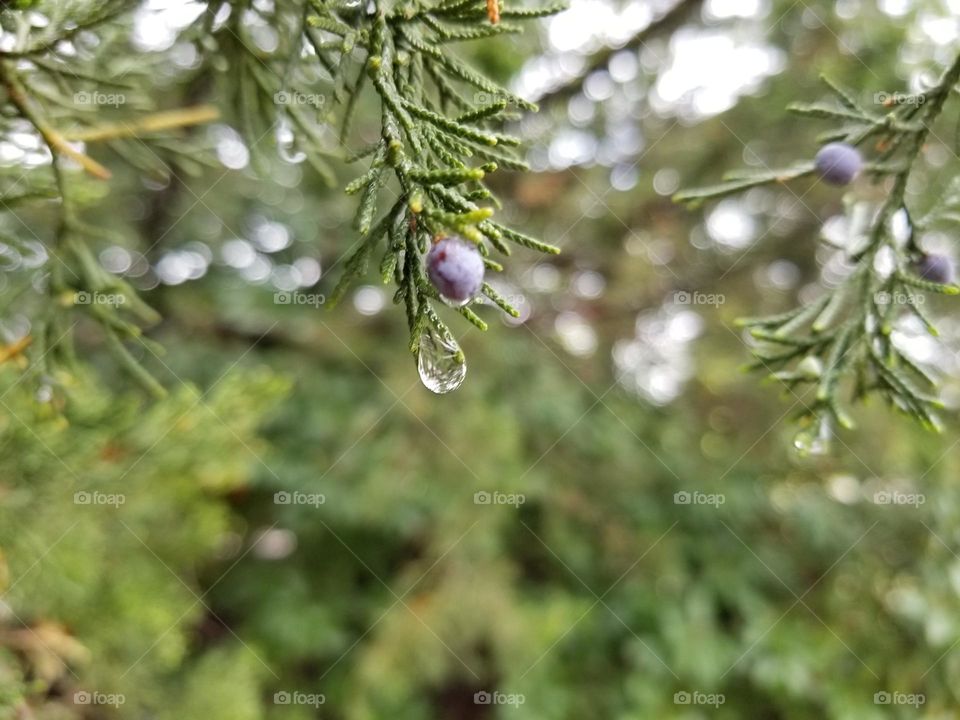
(843, 340)
(840, 163)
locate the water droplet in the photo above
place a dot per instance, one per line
(810, 443)
(440, 362)
(290, 154)
(455, 303)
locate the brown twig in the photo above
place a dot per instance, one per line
(155, 122)
(55, 141)
(665, 24)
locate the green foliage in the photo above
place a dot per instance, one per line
(801, 595)
(223, 683)
(495, 596)
(57, 76)
(125, 507)
(845, 334)
(438, 138)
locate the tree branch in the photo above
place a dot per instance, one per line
(676, 16)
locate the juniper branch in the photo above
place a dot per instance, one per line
(849, 329)
(441, 135)
(428, 152)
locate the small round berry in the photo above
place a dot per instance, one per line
(838, 163)
(935, 268)
(455, 268)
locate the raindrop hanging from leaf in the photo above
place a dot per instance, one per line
(441, 363)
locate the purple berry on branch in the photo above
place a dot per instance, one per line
(838, 163)
(935, 268)
(455, 267)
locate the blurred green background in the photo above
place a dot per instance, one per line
(608, 519)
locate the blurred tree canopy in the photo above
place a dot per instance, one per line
(606, 520)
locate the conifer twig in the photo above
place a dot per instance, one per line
(847, 332)
(152, 123)
(55, 141)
